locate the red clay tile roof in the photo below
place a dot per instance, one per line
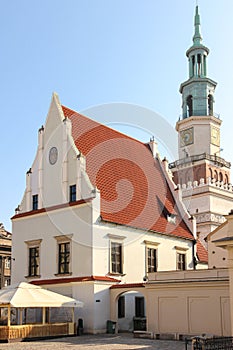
(133, 188)
(202, 253)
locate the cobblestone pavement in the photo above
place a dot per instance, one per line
(94, 342)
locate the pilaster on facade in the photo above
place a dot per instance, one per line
(40, 166)
(28, 191)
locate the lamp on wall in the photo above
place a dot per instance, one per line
(220, 150)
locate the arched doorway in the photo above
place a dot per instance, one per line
(131, 312)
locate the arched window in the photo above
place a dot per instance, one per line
(226, 179)
(199, 64)
(189, 176)
(197, 175)
(220, 177)
(210, 105)
(189, 103)
(193, 66)
(210, 173)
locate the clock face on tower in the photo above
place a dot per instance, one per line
(186, 137)
(215, 136)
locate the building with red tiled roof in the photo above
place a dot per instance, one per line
(202, 253)
(95, 200)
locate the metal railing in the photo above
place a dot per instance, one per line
(199, 113)
(191, 159)
(214, 343)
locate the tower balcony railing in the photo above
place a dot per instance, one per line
(197, 157)
(198, 113)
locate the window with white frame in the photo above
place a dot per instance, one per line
(116, 254)
(151, 259)
(116, 257)
(181, 257)
(181, 261)
(151, 256)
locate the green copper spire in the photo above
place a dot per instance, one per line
(197, 23)
(198, 91)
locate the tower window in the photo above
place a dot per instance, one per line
(189, 102)
(211, 173)
(193, 64)
(199, 64)
(210, 104)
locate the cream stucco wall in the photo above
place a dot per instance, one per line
(201, 135)
(75, 222)
(134, 244)
(185, 303)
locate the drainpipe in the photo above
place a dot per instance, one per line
(193, 254)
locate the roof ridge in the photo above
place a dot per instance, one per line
(177, 204)
(104, 125)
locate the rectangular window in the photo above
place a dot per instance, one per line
(151, 260)
(64, 258)
(121, 307)
(35, 202)
(139, 307)
(7, 263)
(116, 257)
(73, 193)
(181, 261)
(33, 267)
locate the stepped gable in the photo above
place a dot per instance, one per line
(133, 188)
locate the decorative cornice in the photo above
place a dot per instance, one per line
(209, 217)
(54, 207)
(128, 285)
(74, 279)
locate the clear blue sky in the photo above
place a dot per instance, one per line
(100, 51)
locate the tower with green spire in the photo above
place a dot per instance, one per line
(198, 91)
(200, 173)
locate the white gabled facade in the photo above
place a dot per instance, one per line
(55, 222)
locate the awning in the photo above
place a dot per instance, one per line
(23, 295)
